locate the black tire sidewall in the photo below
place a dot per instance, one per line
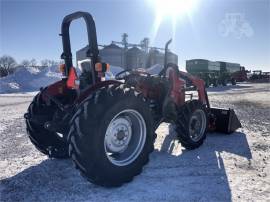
(183, 134)
(91, 145)
(39, 136)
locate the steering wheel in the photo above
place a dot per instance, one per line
(122, 74)
(127, 72)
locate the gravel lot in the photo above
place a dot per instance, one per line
(227, 167)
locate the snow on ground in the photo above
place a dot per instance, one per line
(232, 167)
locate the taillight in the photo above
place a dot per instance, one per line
(102, 67)
(62, 68)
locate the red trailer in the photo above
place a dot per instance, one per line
(240, 76)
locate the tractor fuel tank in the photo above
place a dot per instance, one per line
(224, 120)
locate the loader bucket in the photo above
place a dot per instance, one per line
(224, 120)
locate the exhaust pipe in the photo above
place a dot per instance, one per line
(223, 120)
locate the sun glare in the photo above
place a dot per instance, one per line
(173, 8)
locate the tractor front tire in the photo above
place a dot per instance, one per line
(233, 81)
(191, 125)
(224, 83)
(207, 83)
(45, 141)
(215, 83)
(111, 136)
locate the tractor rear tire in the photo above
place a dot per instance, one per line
(111, 135)
(47, 142)
(192, 123)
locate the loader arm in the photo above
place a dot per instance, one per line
(200, 86)
(178, 82)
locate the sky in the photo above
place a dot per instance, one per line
(219, 30)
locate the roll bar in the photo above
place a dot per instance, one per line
(92, 39)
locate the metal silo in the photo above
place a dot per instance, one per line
(135, 58)
(155, 57)
(172, 58)
(112, 54)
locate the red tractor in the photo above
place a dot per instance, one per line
(108, 127)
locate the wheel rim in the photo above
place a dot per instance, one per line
(197, 125)
(125, 137)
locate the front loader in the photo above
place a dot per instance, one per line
(108, 127)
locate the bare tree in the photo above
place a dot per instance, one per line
(48, 63)
(53, 62)
(45, 62)
(7, 65)
(33, 62)
(25, 63)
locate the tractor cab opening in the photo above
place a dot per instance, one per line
(85, 68)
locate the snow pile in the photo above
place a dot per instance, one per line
(155, 69)
(27, 79)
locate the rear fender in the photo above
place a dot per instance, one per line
(60, 91)
(55, 89)
(94, 88)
